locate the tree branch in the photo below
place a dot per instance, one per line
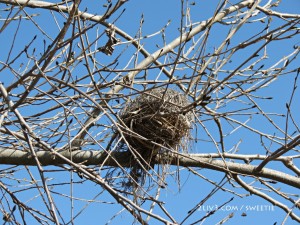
(279, 152)
(46, 158)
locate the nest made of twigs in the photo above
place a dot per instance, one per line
(155, 120)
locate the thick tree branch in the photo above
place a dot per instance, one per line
(17, 157)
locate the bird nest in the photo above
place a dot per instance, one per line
(155, 121)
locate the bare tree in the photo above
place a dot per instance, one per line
(96, 113)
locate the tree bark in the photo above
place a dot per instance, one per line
(116, 159)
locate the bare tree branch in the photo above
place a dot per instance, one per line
(46, 158)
